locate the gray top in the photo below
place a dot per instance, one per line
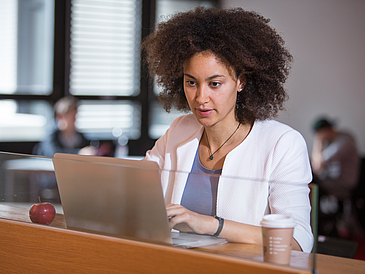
(200, 194)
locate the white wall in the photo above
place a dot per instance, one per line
(327, 40)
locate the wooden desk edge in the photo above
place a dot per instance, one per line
(326, 264)
(44, 249)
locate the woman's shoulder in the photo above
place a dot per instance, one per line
(274, 130)
(273, 126)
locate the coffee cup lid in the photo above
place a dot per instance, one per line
(277, 221)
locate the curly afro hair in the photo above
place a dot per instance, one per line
(242, 40)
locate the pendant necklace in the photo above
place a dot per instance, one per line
(210, 151)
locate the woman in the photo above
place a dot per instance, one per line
(227, 67)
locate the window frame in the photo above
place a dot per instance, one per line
(61, 72)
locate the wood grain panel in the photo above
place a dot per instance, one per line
(32, 248)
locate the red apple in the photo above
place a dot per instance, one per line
(42, 213)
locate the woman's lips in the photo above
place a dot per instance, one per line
(204, 112)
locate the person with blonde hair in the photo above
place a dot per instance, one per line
(65, 138)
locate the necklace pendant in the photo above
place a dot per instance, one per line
(210, 151)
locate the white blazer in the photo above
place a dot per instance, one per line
(267, 173)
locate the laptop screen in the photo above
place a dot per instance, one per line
(113, 196)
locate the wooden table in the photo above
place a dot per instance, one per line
(26, 246)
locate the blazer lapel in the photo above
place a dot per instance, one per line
(185, 157)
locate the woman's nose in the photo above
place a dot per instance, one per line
(202, 94)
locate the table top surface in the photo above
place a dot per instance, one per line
(324, 263)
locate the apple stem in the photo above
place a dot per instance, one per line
(39, 199)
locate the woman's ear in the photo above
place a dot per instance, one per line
(241, 83)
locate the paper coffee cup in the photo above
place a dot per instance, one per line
(277, 234)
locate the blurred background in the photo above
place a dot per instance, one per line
(326, 38)
(90, 49)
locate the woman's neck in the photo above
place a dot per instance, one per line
(216, 143)
(217, 135)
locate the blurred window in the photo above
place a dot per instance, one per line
(104, 47)
(105, 37)
(26, 48)
(96, 58)
(108, 120)
(24, 120)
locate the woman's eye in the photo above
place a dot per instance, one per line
(190, 83)
(215, 84)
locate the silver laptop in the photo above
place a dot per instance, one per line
(118, 197)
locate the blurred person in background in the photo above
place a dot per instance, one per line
(65, 138)
(336, 165)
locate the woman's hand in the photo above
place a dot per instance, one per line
(185, 220)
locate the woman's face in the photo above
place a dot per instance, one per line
(210, 89)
